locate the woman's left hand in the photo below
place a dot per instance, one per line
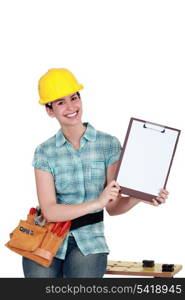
(163, 195)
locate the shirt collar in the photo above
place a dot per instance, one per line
(89, 134)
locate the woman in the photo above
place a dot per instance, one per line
(74, 173)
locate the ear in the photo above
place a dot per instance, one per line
(50, 112)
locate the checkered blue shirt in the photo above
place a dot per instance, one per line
(79, 176)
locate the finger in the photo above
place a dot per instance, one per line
(161, 199)
(164, 191)
(113, 189)
(115, 194)
(154, 202)
(162, 196)
(147, 202)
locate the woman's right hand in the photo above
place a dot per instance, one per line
(110, 193)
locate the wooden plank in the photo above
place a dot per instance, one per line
(136, 269)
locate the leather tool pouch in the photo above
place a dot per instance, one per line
(35, 242)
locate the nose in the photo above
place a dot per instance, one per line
(69, 105)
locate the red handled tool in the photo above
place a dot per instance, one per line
(32, 211)
(56, 226)
(62, 227)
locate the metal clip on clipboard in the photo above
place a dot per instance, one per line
(153, 126)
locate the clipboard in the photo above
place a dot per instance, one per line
(146, 158)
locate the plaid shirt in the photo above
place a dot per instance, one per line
(80, 176)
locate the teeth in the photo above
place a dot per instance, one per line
(71, 115)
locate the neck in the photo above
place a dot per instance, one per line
(74, 133)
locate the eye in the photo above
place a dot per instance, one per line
(60, 103)
(74, 98)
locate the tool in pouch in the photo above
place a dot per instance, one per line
(39, 218)
(37, 239)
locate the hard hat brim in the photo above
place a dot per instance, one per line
(80, 87)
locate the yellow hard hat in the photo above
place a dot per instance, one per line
(57, 83)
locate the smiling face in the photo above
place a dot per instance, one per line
(67, 110)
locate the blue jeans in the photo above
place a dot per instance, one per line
(75, 265)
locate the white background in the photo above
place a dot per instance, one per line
(129, 55)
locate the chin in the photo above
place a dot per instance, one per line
(71, 122)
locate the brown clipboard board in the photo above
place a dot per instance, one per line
(127, 189)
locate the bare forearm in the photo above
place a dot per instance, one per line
(64, 212)
(122, 205)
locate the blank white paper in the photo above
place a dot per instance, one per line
(147, 158)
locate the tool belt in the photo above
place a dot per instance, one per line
(41, 243)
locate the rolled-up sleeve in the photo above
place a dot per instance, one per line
(114, 152)
(40, 160)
